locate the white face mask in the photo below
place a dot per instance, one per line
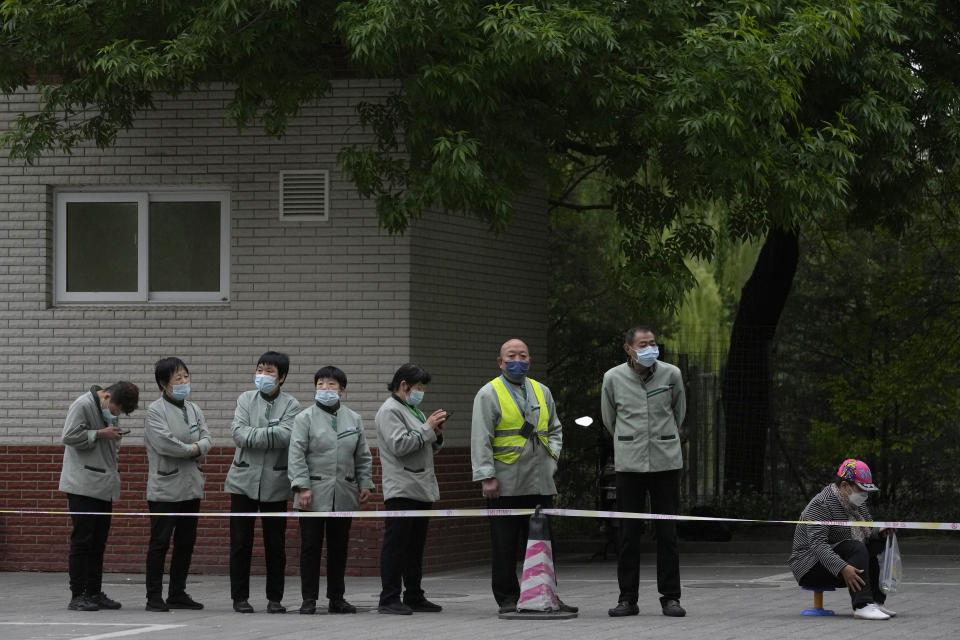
(647, 355)
(857, 498)
(327, 397)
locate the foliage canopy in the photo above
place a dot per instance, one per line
(782, 111)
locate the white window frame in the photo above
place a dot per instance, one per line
(142, 294)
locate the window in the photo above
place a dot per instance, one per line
(142, 247)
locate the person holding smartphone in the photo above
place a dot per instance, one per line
(408, 439)
(90, 479)
(177, 439)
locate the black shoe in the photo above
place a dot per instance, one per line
(156, 604)
(396, 608)
(567, 608)
(183, 601)
(508, 606)
(341, 606)
(309, 607)
(242, 606)
(673, 609)
(102, 601)
(624, 608)
(82, 603)
(274, 606)
(423, 606)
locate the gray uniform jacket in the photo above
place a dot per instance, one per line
(644, 417)
(406, 449)
(532, 473)
(814, 543)
(174, 474)
(261, 430)
(89, 465)
(329, 455)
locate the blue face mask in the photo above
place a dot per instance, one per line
(327, 397)
(265, 383)
(108, 417)
(647, 356)
(415, 397)
(516, 370)
(180, 391)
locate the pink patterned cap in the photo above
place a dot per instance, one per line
(857, 472)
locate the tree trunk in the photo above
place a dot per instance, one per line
(747, 377)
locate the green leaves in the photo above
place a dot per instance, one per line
(806, 111)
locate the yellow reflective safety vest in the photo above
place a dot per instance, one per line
(507, 441)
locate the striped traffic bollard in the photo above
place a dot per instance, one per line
(539, 599)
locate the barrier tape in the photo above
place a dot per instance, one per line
(473, 513)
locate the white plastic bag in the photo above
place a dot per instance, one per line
(891, 567)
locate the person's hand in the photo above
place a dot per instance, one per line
(436, 421)
(195, 452)
(109, 433)
(851, 575)
(887, 532)
(490, 488)
(306, 498)
(364, 495)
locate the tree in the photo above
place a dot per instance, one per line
(904, 145)
(781, 112)
(874, 371)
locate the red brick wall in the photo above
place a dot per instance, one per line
(29, 475)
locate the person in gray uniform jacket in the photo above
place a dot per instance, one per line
(257, 480)
(515, 442)
(91, 435)
(330, 469)
(407, 441)
(177, 439)
(643, 403)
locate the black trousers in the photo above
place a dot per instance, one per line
(88, 541)
(183, 530)
(401, 557)
(860, 555)
(241, 546)
(663, 487)
(508, 538)
(311, 544)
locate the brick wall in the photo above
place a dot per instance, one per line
(470, 292)
(29, 475)
(341, 292)
(332, 292)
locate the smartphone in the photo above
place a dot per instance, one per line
(123, 432)
(449, 413)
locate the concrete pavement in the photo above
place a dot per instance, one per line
(726, 596)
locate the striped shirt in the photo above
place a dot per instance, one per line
(814, 543)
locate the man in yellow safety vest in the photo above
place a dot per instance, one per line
(515, 443)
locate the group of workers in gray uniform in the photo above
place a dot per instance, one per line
(321, 456)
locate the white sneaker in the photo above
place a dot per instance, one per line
(870, 612)
(889, 612)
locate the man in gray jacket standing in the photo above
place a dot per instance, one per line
(515, 442)
(91, 481)
(643, 405)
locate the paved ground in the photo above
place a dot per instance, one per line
(726, 596)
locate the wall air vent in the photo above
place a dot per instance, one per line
(304, 195)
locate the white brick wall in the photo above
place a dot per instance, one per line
(471, 292)
(337, 292)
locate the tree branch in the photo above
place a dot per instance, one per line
(579, 207)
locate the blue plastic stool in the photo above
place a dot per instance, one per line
(818, 609)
